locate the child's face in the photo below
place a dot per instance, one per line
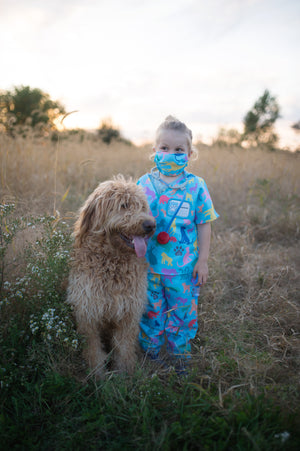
(172, 141)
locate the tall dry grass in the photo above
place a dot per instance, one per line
(38, 173)
(249, 313)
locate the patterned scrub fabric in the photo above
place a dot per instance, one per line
(171, 313)
(190, 193)
(172, 308)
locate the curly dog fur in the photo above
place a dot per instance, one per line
(108, 277)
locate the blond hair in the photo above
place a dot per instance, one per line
(172, 123)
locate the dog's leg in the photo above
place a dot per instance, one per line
(124, 344)
(94, 353)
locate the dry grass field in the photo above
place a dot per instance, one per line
(249, 311)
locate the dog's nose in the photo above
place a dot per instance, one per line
(148, 226)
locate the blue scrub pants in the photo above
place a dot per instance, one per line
(171, 314)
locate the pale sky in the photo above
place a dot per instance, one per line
(137, 61)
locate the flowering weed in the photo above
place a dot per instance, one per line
(32, 308)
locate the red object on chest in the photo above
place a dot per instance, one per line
(163, 238)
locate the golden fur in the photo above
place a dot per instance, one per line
(107, 282)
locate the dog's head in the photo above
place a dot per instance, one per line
(117, 210)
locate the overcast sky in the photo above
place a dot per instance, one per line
(139, 60)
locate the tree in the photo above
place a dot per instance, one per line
(259, 121)
(228, 137)
(296, 126)
(108, 132)
(28, 107)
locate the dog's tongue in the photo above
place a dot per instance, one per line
(140, 246)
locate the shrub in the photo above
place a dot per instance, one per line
(108, 132)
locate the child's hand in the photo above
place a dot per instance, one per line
(201, 269)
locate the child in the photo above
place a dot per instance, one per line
(178, 251)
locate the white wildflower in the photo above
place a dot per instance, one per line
(284, 436)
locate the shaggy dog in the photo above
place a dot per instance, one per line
(108, 278)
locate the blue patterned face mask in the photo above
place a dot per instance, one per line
(171, 163)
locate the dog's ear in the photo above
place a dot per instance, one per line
(85, 221)
(92, 216)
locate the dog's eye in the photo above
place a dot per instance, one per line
(125, 206)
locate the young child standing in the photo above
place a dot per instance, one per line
(178, 251)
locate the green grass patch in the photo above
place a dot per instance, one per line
(56, 412)
(47, 402)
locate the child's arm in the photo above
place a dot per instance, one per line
(201, 268)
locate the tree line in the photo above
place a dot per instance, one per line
(24, 106)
